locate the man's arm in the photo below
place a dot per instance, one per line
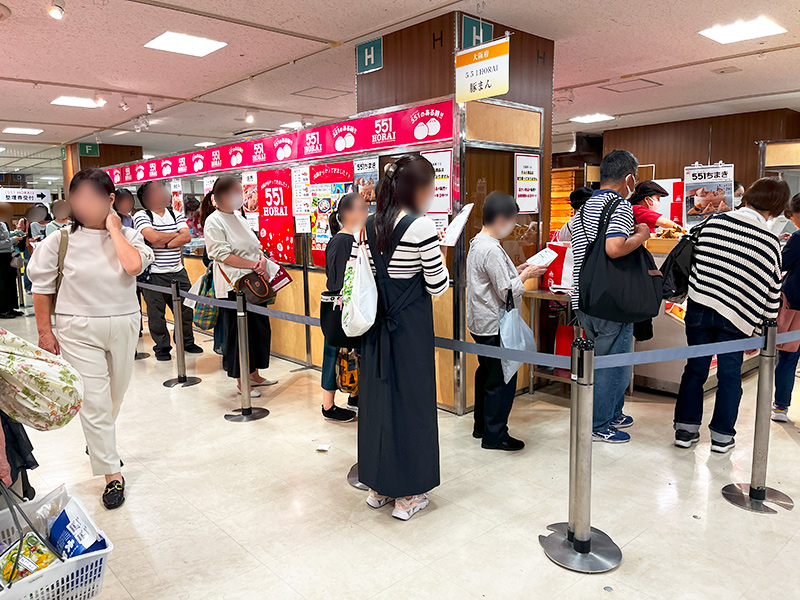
(183, 236)
(620, 246)
(159, 239)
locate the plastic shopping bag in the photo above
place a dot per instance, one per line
(37, 388)
(359, 294)
(516, 335)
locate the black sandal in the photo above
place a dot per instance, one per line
(114, 494)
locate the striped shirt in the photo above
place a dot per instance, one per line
(587, 222)
(417, 251)
(168, 260)
(736, 269)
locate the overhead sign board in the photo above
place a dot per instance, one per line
(482, 71)
(88, 149)
(369, 56)
(475, 32)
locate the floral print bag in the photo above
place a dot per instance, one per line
(37, 388)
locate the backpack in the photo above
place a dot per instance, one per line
(144, 276)
(627, 289)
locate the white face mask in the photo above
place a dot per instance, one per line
(737, 201)
(630, 191)
(237, 202)
(506, 230)
(653, 202)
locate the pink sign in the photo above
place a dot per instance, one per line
(116, 175)
(422, 125)
(275, 222)
(331, 173)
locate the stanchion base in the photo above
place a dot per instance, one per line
(739, 494)
(604, 556)
(170, 383)
(141, 355)
(352, 478)
(299, 369)
(256, 413)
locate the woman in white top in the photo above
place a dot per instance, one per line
(97, 314)
(235, 251)
(398, 438)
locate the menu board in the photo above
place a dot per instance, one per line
(328, 183)
(176, 189)
(301, 192)
(708, 190)
(366, 177)
(276, 225)
(251, 200)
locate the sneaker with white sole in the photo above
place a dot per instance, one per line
(780, 414)
(340, 415)
(376, 500)
(253, 393)
(611, 436)
(405, 508)
(265, 382)
(685, 439)
(722, 447)
(623, 422)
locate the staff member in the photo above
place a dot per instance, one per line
(166, 231)
(97, 315)
(236, 251)
(398, 438)
(645, 200)
(490, 277)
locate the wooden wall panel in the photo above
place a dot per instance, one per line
(111, 154)
(504, 125)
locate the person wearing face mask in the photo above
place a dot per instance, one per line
(491, 276)
(96, 312)
(398, 438)
(738, 194)
(166, 231)
(235, 251)
(623, 236)
(645, 200)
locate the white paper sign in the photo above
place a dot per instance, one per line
(482, 71)
(250, 191)
(527, 178)
(708, 190)
(24, 195)
(440, 220)
(301, 191)
(442, 161)
(208, 184)
(302, 224)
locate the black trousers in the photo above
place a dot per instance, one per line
(493, 397)
(156, 308)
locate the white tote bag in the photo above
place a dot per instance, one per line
(359, 294)
(516, 335)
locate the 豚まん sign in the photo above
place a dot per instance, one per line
(421, 125)
(482, 71)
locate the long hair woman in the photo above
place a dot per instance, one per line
(97, 314)
(235, 252)
(398, 438)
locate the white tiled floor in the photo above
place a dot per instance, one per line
(220, 510)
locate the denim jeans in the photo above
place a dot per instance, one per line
(784, 377)
(704, 325)
(609, 337)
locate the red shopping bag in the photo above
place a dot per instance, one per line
(565, 334)
(560, 270)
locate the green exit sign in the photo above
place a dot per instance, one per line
(369, 56)
(475, 32)
(63, 153)
(88, 149)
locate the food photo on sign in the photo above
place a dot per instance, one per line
(708, 190)
(276, 225)
(328, 183)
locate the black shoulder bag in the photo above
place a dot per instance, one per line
(678, 266)
(625, 289)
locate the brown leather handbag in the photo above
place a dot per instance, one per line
(255, 288)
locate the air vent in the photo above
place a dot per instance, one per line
(630, 85)
(321, 93)
(726, 70)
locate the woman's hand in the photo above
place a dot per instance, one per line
(261, 267)
(48, 341)
(113, 222)
(522, 267)
(532, 271)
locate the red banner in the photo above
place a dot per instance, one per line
(408, 127)
(276, 225)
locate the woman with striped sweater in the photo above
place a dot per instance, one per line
(734, 285)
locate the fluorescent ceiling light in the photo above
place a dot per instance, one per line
(292, 125)
(182, 43)
(148, 156)
(595, 118)
(23, 130)
(75, 101)
(204, 144)
(743, 30)
(51, 178)
(2, 149)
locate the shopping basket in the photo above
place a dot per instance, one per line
(77, 578)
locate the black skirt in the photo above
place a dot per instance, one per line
(260, 337)
(9, 299)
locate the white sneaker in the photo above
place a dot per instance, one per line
(265, 382)
(405, 508)
(376, 500)
(779, 414)
(253, 393)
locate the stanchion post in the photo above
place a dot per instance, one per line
(177, 326)
(576, 545)
(247, 412)
(753, 496)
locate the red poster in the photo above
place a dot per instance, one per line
(328, 183)
(276, 225)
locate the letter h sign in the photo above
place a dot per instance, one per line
(369, 56)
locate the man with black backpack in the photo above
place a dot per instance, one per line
(166, 232)
(622, 237)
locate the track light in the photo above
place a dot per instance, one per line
(56, 9)
(150, 108)
(97, 140)
(249, 118)
(100, 100)
(137, 126)
(124, 105)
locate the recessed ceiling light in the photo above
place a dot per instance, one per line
(148, 156)
(182, 43)
(249, 117)
(204, 144)
(23, 130)
(75, 101)
(292, 125)
(595, 118)
(743, 30)
(100, 100)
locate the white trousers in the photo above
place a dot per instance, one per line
(102, 350)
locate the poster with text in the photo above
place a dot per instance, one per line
(177, 195)
(708, 190)
(366, 177)
(251, 202)
(526, 182)
(442, 161)
(276, 225)
(328, 184)
(208, 184)
(301, 192)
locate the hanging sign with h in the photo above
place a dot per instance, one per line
(369, 56)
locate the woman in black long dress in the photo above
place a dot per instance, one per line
(398, 438)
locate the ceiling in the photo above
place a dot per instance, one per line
(295, 62)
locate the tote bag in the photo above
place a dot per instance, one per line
(205, 316)
(627, 289)
(359, 293)
(514, 334)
